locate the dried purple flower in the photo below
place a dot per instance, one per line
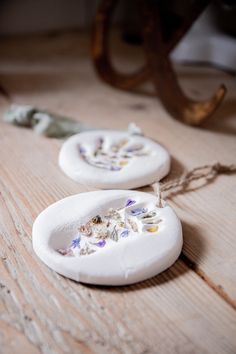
(138, 211)
(101, 243)
(82, 150)
(115, 168)
(130, 202)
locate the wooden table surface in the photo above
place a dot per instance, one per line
(190, 308)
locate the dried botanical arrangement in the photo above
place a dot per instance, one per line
(114, 225)
(114, 157)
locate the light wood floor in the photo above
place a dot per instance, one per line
(190, 308)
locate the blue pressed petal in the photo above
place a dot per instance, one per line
(124, 233)
(133, 148)
(138, 211)
(76, 242)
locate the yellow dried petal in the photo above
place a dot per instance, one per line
(152, 229)
(123, 163)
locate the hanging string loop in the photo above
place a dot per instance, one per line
(207, 172)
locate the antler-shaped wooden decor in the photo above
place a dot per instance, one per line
(157, 46)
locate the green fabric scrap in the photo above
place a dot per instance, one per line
(43, 122)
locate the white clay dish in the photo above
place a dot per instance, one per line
(108, 237)
(109, 159)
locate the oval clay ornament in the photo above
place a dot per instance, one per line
(113, 159)
(113, 237)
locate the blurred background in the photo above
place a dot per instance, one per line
(211, 39)
(210, 42)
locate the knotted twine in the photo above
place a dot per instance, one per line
(207, 172)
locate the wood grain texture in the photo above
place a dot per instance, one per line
(183, 310)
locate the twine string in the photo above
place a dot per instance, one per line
(207, 171)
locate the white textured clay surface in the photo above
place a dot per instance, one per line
(113, 160)
(112, 237)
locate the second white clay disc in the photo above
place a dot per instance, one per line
(108, 237)
(113, 159)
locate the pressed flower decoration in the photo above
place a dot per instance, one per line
(75, 243)
(114, 225)
(113, 158)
